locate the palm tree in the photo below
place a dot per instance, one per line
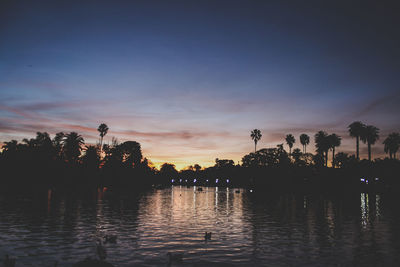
(304, 140)
(290, 141)
(132, 153)
(392, 144)
(322, 144)
(255, 136)
(72, 145)
(370, 136)
(197, 167)
(58, 143)
(356, 129)
(334, 141)
(103, 129)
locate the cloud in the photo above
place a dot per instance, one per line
(185, 135)
(47, 106)
(387, 104)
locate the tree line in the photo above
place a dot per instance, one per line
(325, 142)
(65, 159)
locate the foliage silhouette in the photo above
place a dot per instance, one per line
(66, 162)
(392, 144)
(322, 144)
(103, 129)
(305, 141)
(334, 141)
(255, 136)
(290, 140)
(72, 146)
(370, 135)
(356, 129)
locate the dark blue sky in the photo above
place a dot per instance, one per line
(190, 79)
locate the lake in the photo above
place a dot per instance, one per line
(248, 228)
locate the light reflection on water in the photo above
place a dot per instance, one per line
(248, 228)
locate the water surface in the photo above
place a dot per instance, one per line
(248, 228)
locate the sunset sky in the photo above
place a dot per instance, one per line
(189, 80)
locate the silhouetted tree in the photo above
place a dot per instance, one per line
(370, 135)
(267, 157)
(356, 129)
(40, 150)
(296, 155)
(304, 140)
(322, 144)
(103, 129)
(72, 146)
(334, 141)
(290, 141)
(343, 160)
(190, 168)
(114, 155)
(319, 159)
(168, 171)
(148, 166)
(197, 167)
(392, 144)
(255, 136)
(132, 153)
(224, 163)
(58, 144)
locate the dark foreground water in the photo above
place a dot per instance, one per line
(248, 228)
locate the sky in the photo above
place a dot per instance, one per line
(189, 80)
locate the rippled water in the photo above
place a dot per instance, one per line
(248, 228)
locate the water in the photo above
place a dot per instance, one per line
(248, 228)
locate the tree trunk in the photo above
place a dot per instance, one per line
(305, 149)
(369, 151)
(326, 158)
(357, 147)
(333, 157)
(255, 147)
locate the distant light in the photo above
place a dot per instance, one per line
(251, 190)
(186, 180)
(207, 180)
(362, 180)
(227, 180)
(194, 180)
(376, 179)
(366, 181)
(216, 180)
(172, 180)
(180, 180)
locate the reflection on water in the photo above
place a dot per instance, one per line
(248, 228)
(364, 210)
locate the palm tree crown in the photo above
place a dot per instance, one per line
(392, 144)
(370, 135)
(356, 129)
(304, 140)
(322, 144)
(255, 136)
(334, 141)
(290, 141)
(103, 129)
(73, 143)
